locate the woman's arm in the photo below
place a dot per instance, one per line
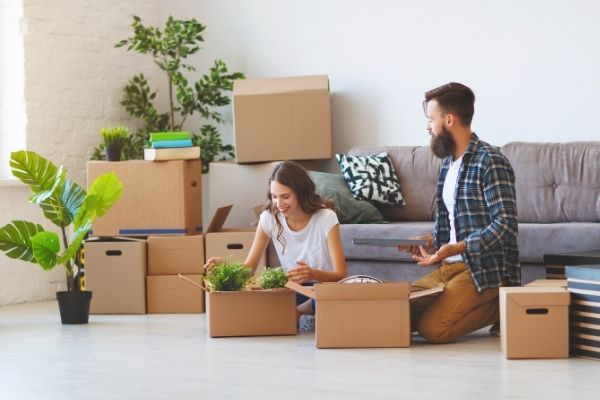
(304, 272)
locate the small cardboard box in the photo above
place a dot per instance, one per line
(360, 314)
(548, 283)
(159, 198)
(177, 254)
(251, 313)
(229, 244)
(534, 322)
(115, 271)
(282, 118)
(168, 294)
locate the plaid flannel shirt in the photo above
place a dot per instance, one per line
(485, 215)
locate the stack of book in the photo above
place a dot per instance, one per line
(171, 146)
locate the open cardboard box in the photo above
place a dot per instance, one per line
(250, 312)
(362, 314)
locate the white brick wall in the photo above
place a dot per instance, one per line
(73, 84)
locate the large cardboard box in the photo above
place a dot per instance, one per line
(282, 118)
(251, 313)
(534, 322)
(584, 317)
(168, 294)
(115, 271)
(177, 254)
(360, 314)
(229, 244)
(246, 187)
(159, 198)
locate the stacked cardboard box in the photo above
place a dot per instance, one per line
(584, 286)
(534, 321)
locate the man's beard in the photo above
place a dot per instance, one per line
(442, 144)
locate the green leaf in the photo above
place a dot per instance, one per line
(45, 249)
(41, 175)
(71, 251)
(104, 192)
(15, 239)
(61, 208)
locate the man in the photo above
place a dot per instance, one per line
(475, 233)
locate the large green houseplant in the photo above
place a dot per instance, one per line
(63, 203)
(169, 49)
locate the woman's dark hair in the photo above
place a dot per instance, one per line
(294, 176)
(454, 98)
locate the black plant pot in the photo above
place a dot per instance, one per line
(74, 306)
(113, 153)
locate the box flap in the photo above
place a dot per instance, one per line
(260, 86)
(308, 291)
(426, 292)
(257, 209)
(548, 283)
(362, 291)
(534, 296)
(218, 220)
(105, 239)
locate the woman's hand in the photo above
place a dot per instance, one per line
(301, 273)
(211, 263)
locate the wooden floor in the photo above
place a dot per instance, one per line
(171, 357)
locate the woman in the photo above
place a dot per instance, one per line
(304, 228)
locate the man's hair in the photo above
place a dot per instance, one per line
(454, 98)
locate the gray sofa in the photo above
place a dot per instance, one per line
(558, 200)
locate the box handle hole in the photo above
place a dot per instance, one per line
(235, 246)
(537, 311)
(113, 252)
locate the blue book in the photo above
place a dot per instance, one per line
(167, 144)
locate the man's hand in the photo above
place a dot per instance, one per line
(416, 250)
(301, 273)
(425, 259)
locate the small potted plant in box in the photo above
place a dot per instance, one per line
(64, 203)
(273, 278)
(114, 139)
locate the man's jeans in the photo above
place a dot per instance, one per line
(458, 310)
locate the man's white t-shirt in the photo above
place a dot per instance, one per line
(449, 200)
(308, 245)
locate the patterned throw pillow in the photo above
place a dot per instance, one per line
(371, 178)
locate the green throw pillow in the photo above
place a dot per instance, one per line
(349, 210)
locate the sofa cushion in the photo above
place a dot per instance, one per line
(371, 178)
(402, 230)
(348, 209)
(556, 182)
(535, 240)
(417, 171)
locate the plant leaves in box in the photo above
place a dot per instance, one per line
(228, 277)
(273, 278)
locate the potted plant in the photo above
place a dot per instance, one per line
(228, 277)
(273, 278)
(169, 49)
(114, 139)
(64, 203)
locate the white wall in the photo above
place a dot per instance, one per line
(534, 65)
(74, 79)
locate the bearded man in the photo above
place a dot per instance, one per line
(474, 240)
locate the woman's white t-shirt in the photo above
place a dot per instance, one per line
(308, 245)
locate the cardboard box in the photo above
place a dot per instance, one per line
(360, 314)
(229, 244)
(249, 179)
(282, 118)
(534, 322)
(178, 254)
(168, 294)
(548, 283)
(115, 271)
(251, 313)
(584, 317)
(159, 198)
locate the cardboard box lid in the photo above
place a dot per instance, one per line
(245, 87)
(353, 291)
(548, 283)
(105, 239)
(535, 296)
(218, 219)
